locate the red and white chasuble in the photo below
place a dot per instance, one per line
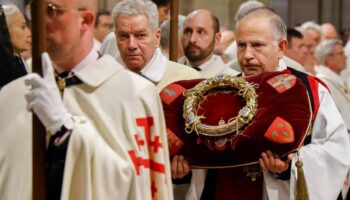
(118, 147)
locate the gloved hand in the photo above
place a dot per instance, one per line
(45, 100)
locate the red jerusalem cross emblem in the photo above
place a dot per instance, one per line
(282, 82)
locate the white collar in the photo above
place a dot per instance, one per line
(209, 63)
(281, 65)
(184, 60)
(155, 68)
(91, 57)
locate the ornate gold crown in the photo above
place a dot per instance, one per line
(221, 83)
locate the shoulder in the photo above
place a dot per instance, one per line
(175, 64)
(293, 64)
(306, 78)
(182, 60)
(176, 72)
(132, 81)
(107, 72)
(182, 69)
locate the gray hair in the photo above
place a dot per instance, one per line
(128, 8)
(165, 27)
(326, 48)
(310, 25)
(279, 28)
(10, 11)
(245, 7)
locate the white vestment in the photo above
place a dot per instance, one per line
(326, 159)
(212, 67)
(117, 150)
(345, 74)
(339, 91)
(162, 71)
(341, 96)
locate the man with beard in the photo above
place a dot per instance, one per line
(200, 35)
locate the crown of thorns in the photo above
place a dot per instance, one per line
(221, 83)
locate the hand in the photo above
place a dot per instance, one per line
(179, 167)
(45, 100)
(273, 163)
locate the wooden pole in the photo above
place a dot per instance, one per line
(174, 13)
(39, 132)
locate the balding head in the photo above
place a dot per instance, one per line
(328, 31)
(200, 35)
(88, 4)
(70, 33)
(205, 14)
(277, 25)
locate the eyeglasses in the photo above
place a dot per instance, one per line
(54, 11)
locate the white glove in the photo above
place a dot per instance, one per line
(45, 100)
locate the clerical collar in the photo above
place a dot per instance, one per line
(214, 61)
(155, 69)
(184, 60)
(281, 65)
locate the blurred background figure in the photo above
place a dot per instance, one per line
(103, 24)
(328, 31)
(346, 41)
(346, 36)
(312, 36)
(165, 37)
(296, 48)
(163, 9)
(231, 51)
(15, 38)
(227, 38)
(330, 54)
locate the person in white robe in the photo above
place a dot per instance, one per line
(199, 37)
(201, 32)
(117, 146)
(330, 54)
(329, 145)
(261, 41)
(138, 39)
(332, 59)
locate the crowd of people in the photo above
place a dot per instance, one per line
(106, 130)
